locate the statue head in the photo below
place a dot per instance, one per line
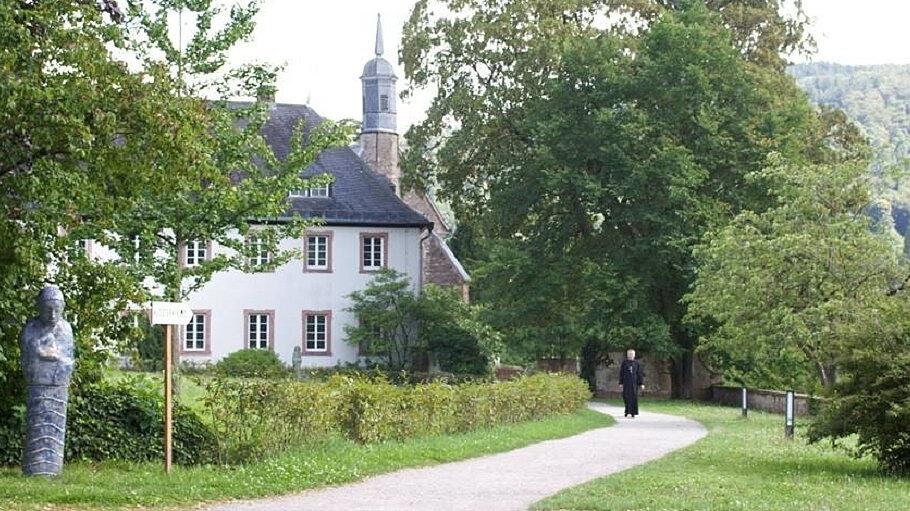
(50, 305)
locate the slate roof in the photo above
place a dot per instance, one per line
(359, 196)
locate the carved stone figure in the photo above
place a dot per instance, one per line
(297, 359)
(47, 359)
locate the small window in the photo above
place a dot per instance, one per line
(317, 191)
(260, 253)
(194, 334)
(258, 330)
(137, 244)
(317, 332)
(84, 246)
(383, 103)
(372, 254)
(317, 252)
(195, 253)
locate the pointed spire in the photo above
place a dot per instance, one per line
(379, 48)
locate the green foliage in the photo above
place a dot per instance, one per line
(396, 325)
(149, 346)
(119, 420)
(378, 411)
(788, 287)
(590, 152)
(871, 398)
(252, 363)
(458, 339)
(255, 418)
(876, 98)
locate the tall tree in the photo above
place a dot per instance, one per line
(77, 128)
(789, 288)
(591, 158)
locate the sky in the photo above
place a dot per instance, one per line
(324, 45)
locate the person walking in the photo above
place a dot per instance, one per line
(631, 379)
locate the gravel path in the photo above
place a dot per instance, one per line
(508, 481)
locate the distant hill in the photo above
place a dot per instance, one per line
(877, 98)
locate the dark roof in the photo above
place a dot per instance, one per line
(359, 196)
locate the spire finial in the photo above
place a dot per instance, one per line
(379, 48)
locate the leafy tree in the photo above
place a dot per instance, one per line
(588, 160)
(455, 334)
(871, 397)
(107, 137)
(388, 313)
(789, 287)
(78, 126)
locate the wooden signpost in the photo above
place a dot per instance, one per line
(169, 314)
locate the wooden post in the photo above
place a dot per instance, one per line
(168, 398)
(745, 403)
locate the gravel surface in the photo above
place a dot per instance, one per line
(507, 481)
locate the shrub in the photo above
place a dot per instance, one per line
(872, 400)
(255, 418)
(119, 420)
(251, 363)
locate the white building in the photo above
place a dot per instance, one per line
(365, 226)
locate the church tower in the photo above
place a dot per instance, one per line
(379, 134)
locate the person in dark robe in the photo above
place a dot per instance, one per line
(631, 379)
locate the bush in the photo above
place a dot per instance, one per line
(119, 420)
(251, 363)
(255, 418)
(871, 400)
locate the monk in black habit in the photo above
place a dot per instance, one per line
(631, 378)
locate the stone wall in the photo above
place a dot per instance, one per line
(774, 401)
(657, 376)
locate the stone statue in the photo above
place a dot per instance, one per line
(297, 359)
(47, 363)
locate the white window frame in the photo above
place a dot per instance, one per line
(312, 333)
(324, 191)
(317, 245)
(261, 256)
(137, 244)
(195, 332)
(255, 337)
(369, 252)
(199, 250)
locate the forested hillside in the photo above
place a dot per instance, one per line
(878, 99)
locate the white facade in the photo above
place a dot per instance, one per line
(286, 294)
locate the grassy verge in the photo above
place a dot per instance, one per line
(111, 485)
(743, 464)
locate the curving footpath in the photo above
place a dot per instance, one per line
(511, 480)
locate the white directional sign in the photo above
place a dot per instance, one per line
(171, 313)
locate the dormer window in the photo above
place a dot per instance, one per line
(384, 103)
(317, 191)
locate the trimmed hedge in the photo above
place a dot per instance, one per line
(252, 363)
(118, 420)
(253, 419)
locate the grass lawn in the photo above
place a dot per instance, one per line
(743, 464)
(113, 485)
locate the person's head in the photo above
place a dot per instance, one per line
(630, 354)
(50, 305)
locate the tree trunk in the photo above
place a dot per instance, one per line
(681, 375)
(589, 360)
